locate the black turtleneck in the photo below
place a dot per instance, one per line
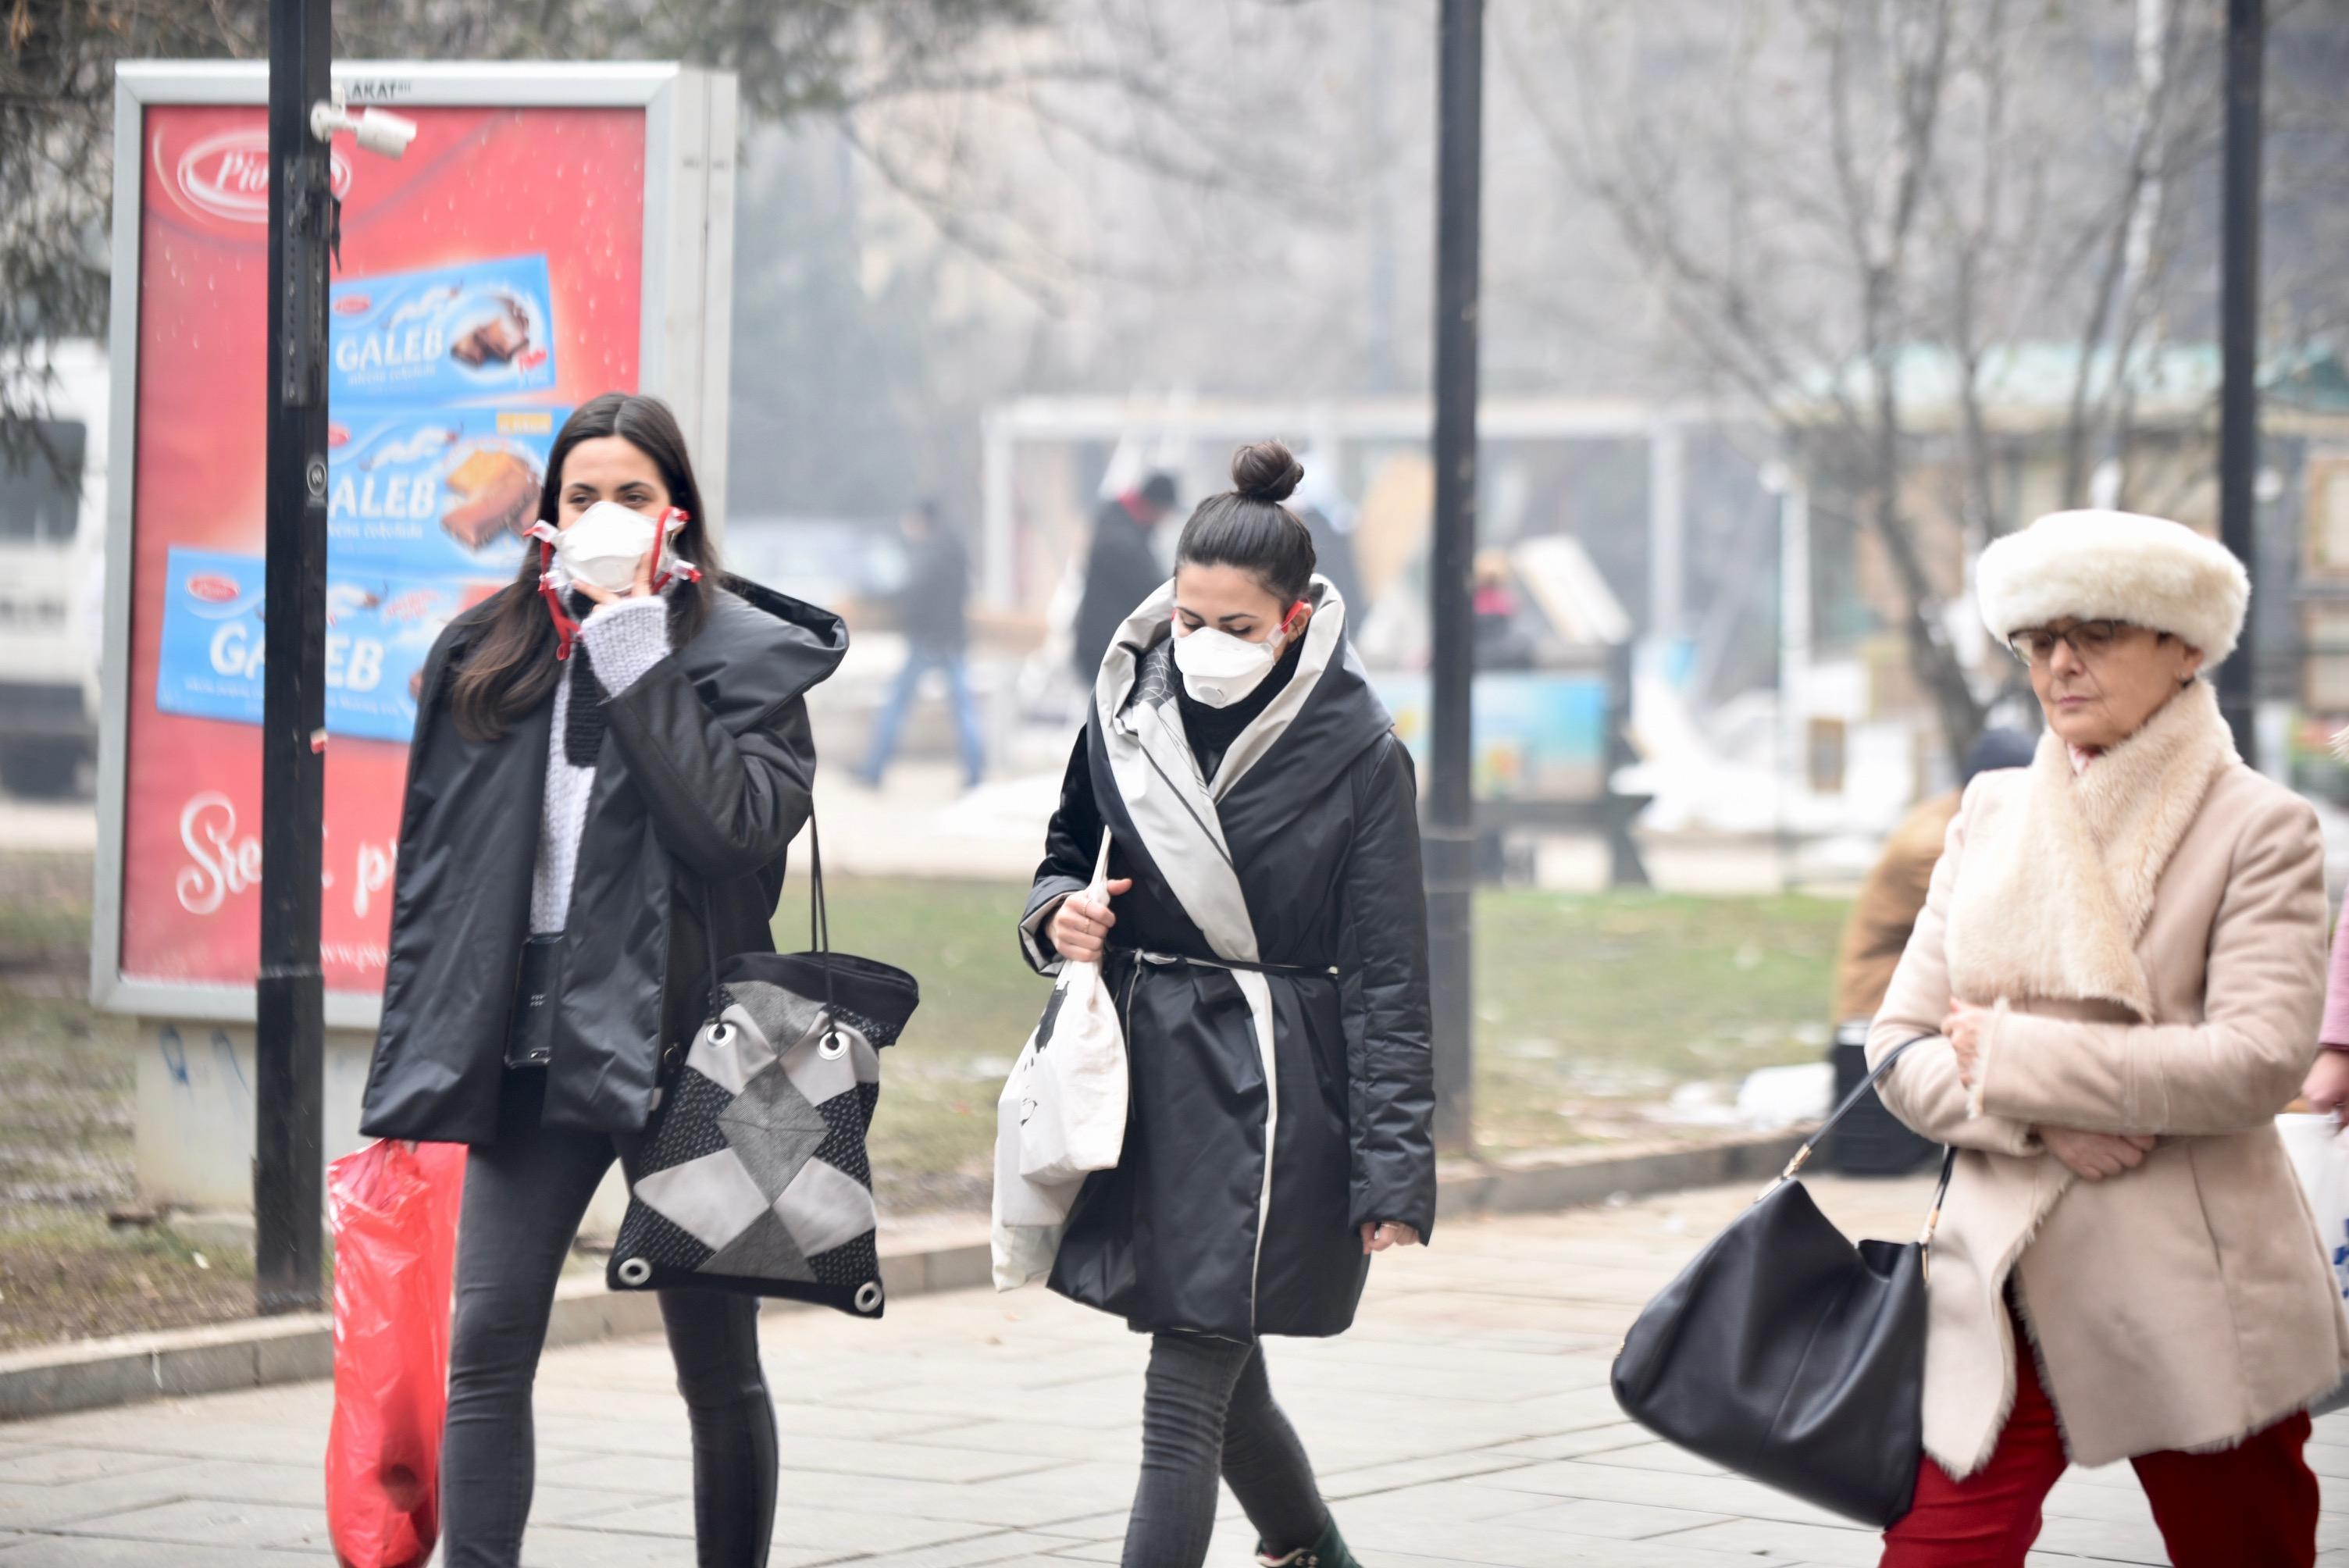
(1212, 730)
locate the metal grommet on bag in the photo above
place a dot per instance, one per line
(721, 1034)
(868, 1296)
(634, 1272)
(834, 1047)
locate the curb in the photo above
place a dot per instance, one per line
(1537, 1184)
(96, 1374)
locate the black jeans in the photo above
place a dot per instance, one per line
(525, 1197)
(1207, 1409)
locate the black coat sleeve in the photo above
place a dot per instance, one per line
(1392, 1090)
(1072, 846)
(724, 801)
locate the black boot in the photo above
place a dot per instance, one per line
(1329, 1552)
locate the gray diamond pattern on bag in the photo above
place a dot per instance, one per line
(778, 1089)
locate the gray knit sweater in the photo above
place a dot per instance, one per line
(624, 641)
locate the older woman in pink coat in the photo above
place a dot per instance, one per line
(2120, 971)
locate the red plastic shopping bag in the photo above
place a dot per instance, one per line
(395, 1212)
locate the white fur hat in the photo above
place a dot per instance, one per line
(2115, 566)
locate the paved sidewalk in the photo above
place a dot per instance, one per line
(1465, 1423)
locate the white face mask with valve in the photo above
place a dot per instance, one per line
(1219, 669)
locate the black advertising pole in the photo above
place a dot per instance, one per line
(290, 1036)
(1451, 828)
(2239, 331)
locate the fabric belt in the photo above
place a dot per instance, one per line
(1165, 960)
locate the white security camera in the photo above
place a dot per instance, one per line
(377, 130)
(382, 132)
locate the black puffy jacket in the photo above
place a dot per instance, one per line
(1186, 1234)
(704, 779)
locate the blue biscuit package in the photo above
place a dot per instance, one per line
(431, 494)
(454, 333)
(378, 632)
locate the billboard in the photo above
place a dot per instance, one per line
(525, 256)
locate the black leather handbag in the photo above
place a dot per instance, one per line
(1790, 1356)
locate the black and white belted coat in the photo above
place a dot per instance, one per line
(1271, 965)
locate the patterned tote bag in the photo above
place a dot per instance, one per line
(753, 1175)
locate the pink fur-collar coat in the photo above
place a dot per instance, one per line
(2150, 934)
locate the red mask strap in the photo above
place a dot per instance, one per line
(661, 570)
(1294, 619)
(566, 629)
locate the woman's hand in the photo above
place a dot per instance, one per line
(642, 588)
(2094, 1156)
(1964, 1028)
(1080, 926)
(1378, 1238)
(2326, 1087)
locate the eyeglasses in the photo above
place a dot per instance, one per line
(2091, 640)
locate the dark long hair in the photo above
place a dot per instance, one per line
(1247, 526)
(512, 667)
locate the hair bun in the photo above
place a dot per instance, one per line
(1265, 470)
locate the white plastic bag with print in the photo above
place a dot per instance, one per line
(1072, 1075)
(2318, 1150)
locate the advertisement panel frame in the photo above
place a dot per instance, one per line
(686, 322)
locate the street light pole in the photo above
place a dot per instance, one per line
(2239, 310)
(290, 1015)
(1451, 828)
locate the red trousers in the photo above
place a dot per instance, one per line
(2250, 1506)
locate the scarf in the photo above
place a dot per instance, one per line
(2059, 877)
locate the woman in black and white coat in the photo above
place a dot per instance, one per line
(1265, 936)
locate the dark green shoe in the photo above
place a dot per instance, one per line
(1329, 1552)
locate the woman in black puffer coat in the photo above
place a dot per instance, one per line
(1267, 939)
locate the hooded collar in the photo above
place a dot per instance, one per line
(2058, 880)
(1312, 730)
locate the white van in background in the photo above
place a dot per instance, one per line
(53, 577)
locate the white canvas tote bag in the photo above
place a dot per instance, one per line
(1072, 1075)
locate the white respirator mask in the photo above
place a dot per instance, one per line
(608, 542)
(602, 549)
(1219, 669)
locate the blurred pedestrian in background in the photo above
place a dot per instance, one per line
(2118, 975)
(1122, 568)
(934, 614)
(1894, 893)
(1268, 937)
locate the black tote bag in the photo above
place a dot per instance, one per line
(753, 1175)
(1790, 1356)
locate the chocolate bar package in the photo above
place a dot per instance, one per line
(431, 494)
(378, 632)
(452, 334)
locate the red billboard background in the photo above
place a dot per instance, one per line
(478, 183)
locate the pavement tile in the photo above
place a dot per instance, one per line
(204, 1522)
(1854, 1547)
(840, 1531)
(69, 1551)
(37, 1508)
(56, 1467)
(561, 1547)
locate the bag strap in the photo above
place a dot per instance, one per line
(820, 924)
(1100, 870)
(709, 951)
(1864, 1087)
